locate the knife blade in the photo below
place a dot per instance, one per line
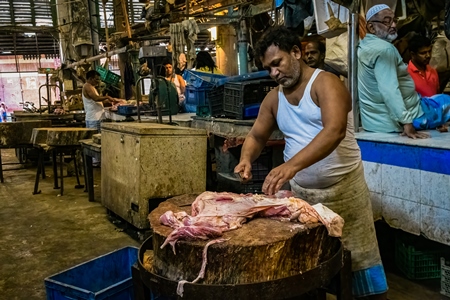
(231, 176)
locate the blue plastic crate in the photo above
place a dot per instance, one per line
(196, 96)
(105, 277)
(244, 77)
(201, 79)
(127, 110)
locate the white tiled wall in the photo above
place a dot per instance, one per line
(400, 182)
(409, 199)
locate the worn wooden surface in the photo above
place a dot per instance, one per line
(229, 128)
(63, 136)
(19, 133)
(262, 250)
(97, 138)
(146, 162)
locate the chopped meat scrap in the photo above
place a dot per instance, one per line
(214, 213)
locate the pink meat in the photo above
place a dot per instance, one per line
(191, 233)
(214, 213)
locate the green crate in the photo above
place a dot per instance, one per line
(417, 257)
(202, 111)
(445, 277)
(107, 76)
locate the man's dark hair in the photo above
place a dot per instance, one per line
(418, 41)
(285, 39)
(91, 74)
(320, 46)
(166, 61)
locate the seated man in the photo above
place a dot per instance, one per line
(315, 57)
(177, 80)
(387, 96)
(425, 77)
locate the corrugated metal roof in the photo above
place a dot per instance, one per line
(18, 18)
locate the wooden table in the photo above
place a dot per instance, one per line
(59, 141)
(17, 135)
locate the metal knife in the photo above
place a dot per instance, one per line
(231, 176)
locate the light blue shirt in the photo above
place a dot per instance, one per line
(387, 95)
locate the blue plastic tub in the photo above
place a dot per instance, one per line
(251, 111)
(127, 110)
(244, 77)
(201, 79)
(105, 277)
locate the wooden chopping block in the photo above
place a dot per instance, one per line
(97, 138)
(10, 133)
(64, 136)
(262, 250)
(19, 133)
(28, 126)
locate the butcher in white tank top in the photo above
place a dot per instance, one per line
(300, 124)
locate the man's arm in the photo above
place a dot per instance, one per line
(385, 70)
(92, 93)
(259, 134)
(335, 103)
(182, 84)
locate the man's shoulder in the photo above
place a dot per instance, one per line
(374, 44)
(87, 85)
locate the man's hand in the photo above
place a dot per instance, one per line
(277, 177)
(409, 131)
(244, 168)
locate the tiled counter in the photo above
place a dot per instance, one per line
(409, 181)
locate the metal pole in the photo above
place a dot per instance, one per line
(106, 25)
(242, 47)
(353, 39)
(92, 9)
(97, 57)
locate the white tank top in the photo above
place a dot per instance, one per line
(177, 84)
(94, 110)
(300, 124)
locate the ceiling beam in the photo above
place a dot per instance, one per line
(23, 29)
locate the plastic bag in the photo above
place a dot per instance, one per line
(336, 54)
(447, 19)
(440, 59)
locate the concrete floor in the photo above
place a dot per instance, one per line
(44, 234)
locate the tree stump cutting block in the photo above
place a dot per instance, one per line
(262, 250)
(65, 136)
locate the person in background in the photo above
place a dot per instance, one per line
(177, 80)
(3, 111)
(205, 63)
(425, 77)
(182, 64)
(93, 102)
(315, 56)
(312, 108)
(387, 96)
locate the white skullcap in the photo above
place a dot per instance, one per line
(375, 9)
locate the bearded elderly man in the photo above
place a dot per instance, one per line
(322, 159)
(387, 96)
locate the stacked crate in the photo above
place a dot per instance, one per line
(218, 95)
(198, 85)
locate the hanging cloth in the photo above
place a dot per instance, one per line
(295, 11)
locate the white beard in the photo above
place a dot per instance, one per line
(382, 34)
(295, 74)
